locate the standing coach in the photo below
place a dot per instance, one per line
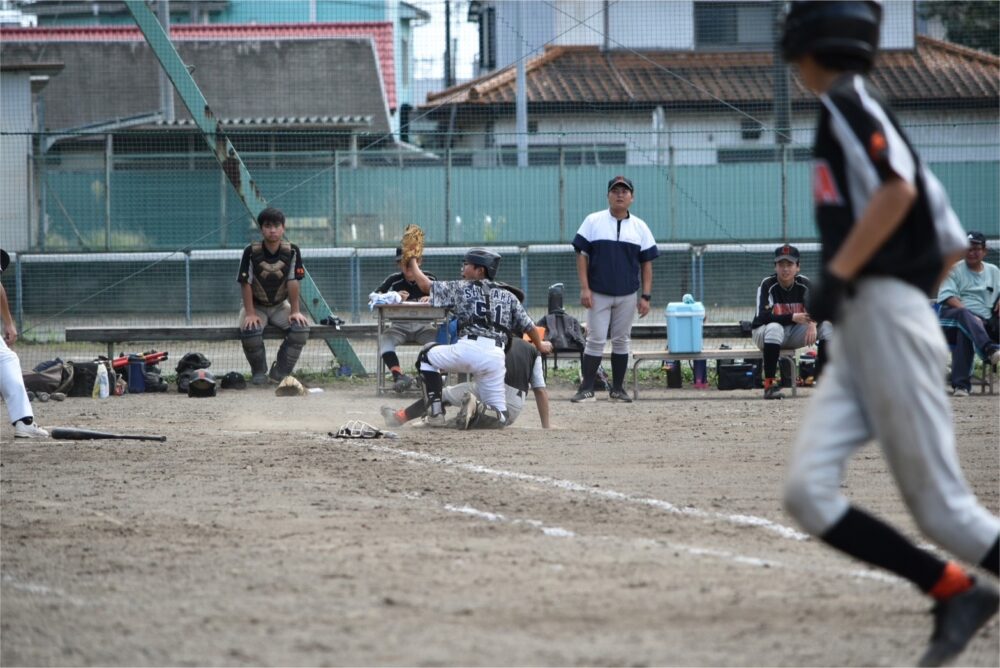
(615, 253)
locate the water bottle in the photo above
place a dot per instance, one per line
(102, 386)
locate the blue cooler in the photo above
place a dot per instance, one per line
(684, 325)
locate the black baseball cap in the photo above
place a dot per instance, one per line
(621, 180)
(977, 238)
(786, 252)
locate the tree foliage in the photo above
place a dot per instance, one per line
(972, 23)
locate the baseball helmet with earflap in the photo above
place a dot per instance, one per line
(833, 27)
(486, 259)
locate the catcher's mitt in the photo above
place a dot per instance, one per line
(412, 244)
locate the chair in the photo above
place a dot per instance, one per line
(986, 379)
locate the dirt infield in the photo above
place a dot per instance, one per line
(646, 534)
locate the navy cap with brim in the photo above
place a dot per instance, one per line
(621, 180)
(977, 238)
(786, 252)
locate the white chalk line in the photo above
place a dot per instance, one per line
(692, 550)
(555, 532)
(39, 589)
(569, 485)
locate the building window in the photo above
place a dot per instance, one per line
(487, 39)
(731, 25)
(750, 129)
(584, 154)
(762, 154)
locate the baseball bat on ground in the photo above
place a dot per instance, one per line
(88, 435)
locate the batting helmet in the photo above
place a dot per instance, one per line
(832, 27)
(202, 384)
(486, 259)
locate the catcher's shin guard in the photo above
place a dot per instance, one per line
(433, 385)
(253, 349)
(288, 353)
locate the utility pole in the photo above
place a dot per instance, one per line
(449, 78)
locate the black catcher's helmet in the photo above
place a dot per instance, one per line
(835, 27)
(484, 258)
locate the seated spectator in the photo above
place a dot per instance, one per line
(781, 320)
(969, 296)
(404, 331)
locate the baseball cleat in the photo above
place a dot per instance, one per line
(620, 396)
(774, 392)
(259, 378)
(389, 415)
(956, 621)
(32, 430)
(583, 396)
(959, 392)
(402, 383)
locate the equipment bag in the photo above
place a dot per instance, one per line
(51, 376)
(737, 376)
(85, 375)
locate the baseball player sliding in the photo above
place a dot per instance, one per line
(486, 314)
(888, 234)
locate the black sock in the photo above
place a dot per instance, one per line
(416, 409)
(619, 365)
(25, 420)
(588, 369)
(391, 360)
(871, 540)
(991, 561)
(771, 353)
(820, 358)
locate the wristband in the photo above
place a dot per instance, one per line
(646, 297)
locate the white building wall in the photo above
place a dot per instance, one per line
(695, 138)
(15, 150)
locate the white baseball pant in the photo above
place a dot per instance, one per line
(12, 384)
(481, 357)
(885, 381)
(610, 317)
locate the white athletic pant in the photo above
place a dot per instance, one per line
(12, 384)
(885, 381)
(453, 394)
(482, 358)
(610, 318)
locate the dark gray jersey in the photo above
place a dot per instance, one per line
(482, 308)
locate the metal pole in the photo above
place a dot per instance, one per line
(449, 79)
(562, 193)
(784, 193)
(673, 193)
(782, 108)
(19, 299)
(166, 88)
(447, 197)
(108, 157)
(187, 287)
(223, 227)
(521, 102)
(336, 198)
(43, 219)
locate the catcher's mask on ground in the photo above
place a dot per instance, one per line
(486, 259)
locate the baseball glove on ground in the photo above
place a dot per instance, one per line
(412, 244)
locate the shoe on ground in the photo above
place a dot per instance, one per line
(438, 420)
(774, 392)
(57, 396)
(259, 378)
(43, 396)
(584, 397)
(620, 396)
(995, 357)
(956, 621)
(402, 383)
(467, 411)
(32, 430)
(959, 392)
(389, 415)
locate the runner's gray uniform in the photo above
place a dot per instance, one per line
(885, 379)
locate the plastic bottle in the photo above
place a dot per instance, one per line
(102, 387)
